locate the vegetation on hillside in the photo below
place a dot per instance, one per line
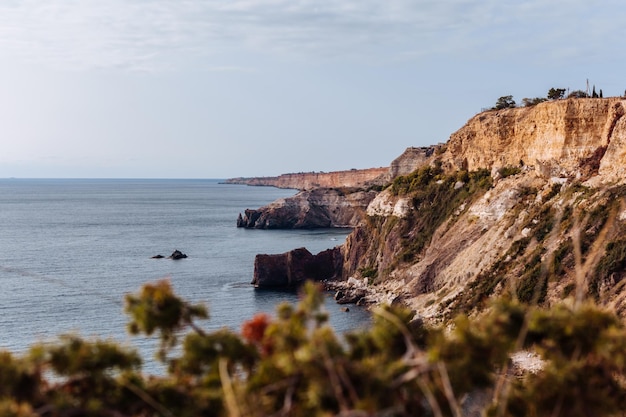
(571, 233)
(435, 195)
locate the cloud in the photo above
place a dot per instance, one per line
(150, 35)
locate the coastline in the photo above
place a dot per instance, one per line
(354, 178)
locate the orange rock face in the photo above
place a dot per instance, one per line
(554, 137)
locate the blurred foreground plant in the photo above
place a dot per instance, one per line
(295, 365)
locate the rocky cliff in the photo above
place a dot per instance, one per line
(291, 269)
(555, 138)
(318, 208)
(528, 202)
(411, 159)
(331, 199)
(354, 178)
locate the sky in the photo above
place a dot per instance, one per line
(229, 88)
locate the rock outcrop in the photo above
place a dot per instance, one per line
(387, 204)
(291, 269)
(499, 209)
(319, 208)
(354, 178)
(176, 255)
(516, 234)
(332, 199)
(555, 138)
(411, 159)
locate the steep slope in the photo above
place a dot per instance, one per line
(552, 137)
(508, 207)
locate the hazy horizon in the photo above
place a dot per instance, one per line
(213, 89)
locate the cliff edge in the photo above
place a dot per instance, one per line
(332, 199)
(505, 209)
(558, 139)
(526, 202)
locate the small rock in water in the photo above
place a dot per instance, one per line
(177, 255)
(158, 257)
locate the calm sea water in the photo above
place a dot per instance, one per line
(71, 249)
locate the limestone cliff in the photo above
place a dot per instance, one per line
(555, 138)
(505, 208)
(354, 178)
(332, 199)
(529, 202)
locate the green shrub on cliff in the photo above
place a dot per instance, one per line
(556, 93)
(578, 94)
(529, 102)
(509, 170)
(417, 180)
(435, 196)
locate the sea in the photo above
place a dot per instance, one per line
(70, 249)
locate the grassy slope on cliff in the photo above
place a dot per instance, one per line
(530, 233)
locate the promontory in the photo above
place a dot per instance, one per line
(528, 202)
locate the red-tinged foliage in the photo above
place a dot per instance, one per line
(254, 329)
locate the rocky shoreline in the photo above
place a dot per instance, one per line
(361, 292)
(319, 208)
(291, 269)
(461, 223)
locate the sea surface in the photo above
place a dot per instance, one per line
(71, 249)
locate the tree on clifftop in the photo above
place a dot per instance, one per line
(504, 102)
(529, 102)
(556, 93)
(578, 94)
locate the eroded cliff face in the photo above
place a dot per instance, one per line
(291, 269)
(411, 159)
(502, 208)
(555, 138)
(318, 208)
(446, 242)
(518, 237)
(355, 178)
